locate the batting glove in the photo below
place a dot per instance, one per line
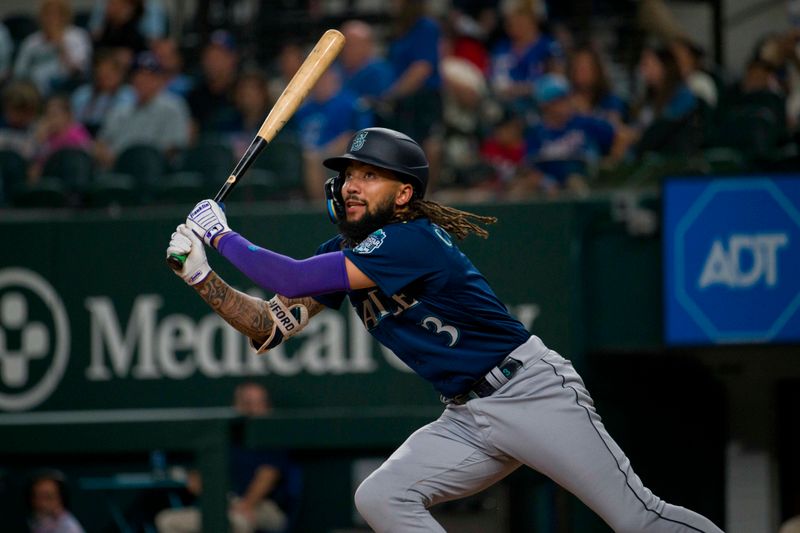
(185, 242)
(208, 221)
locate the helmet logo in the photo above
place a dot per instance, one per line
(358, 141)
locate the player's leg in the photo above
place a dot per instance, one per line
(442, 461)
(545, 418)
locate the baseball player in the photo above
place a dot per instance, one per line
(509, 399)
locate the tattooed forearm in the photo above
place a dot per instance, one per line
(249, 315)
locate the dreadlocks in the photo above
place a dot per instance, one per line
(456, 222)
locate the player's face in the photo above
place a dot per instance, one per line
(369, 189)
(370, 195)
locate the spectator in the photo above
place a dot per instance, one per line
(504, 150)
(169, 55)
(755, 118)
(6, 53)
(415, 96)
(465, 98)
(120, 29)
(57, 129)
(759, 77)
(690, 63)
(252, 98)
(211, 99)
(666, 95)
(363, 72)
(158, 118)
(290, 56)
(524, 55)
(152, 23)
(21, 104)
(59, 54)
(565, 147)
(259, 479)
(468, 39)
(92, 102)
(49, 504)
(782, 53)
(592, 93)
(325, 123)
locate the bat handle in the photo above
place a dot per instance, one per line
(176, 261)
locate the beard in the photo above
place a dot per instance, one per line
(357, 230)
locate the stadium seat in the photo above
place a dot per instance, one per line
(20, 25)
(145, 163)
(674, 136)
(212, 160)
(112, 188)
(259, 185)
(283, 158)
(73, 165)
(13, 170)
(181, 188)
(47, 192)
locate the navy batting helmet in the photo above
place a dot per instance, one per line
(382, 148)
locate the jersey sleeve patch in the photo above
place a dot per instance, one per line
(371, 243)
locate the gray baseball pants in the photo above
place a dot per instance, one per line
(543, 418)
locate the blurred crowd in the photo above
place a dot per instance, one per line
(508, 102)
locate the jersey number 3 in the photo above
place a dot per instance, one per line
(437, 326)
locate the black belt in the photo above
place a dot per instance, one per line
(488, 384)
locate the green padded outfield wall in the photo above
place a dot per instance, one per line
(92, 318)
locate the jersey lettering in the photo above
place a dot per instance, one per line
(373, 296)
(437, 326)
(368, 316)
(402, 303)
(375, 306)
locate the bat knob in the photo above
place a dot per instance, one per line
(175, 262)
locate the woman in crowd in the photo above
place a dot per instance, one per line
(666, 95)
(592, 93)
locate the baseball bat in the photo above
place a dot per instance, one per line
(317, 62)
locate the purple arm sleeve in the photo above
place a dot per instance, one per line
(319, 274)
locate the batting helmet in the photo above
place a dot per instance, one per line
(382, 148)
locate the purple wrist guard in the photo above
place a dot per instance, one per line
(289, 277)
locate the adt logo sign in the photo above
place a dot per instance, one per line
(732, 258)
(34, 339)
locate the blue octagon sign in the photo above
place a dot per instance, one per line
(732, 260)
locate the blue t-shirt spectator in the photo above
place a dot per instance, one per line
(321, 122)
(560, 152)
(371, 80)
(421, 42)
(507, 64)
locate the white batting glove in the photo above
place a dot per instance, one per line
(185, 242)
(208, 220)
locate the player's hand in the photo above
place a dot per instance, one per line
(208, 221)
(185, 242)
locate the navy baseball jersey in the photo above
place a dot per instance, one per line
(431, 306)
